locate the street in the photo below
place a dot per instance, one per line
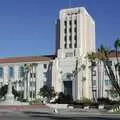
(50, 116)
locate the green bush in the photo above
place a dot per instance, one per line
(47, 91)
(105, 101)
(83, 102)
(3, 91)
(22, 99)
(64, 99)
(86, 101)
(37, 101)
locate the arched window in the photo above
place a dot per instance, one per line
(1, 72)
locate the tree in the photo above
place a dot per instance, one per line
(27, 69)
(3, 91)
(103, 54)
(34, 65)
(47, 91)
(117, 46)
(92, 57)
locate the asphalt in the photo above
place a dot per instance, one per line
(48, 114)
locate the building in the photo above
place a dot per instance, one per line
(69, 70)
(101, 82)
(39, 74)
(75, 37)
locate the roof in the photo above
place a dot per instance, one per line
(27, 59)
(113, 54)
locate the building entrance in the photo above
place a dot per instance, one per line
(68, 88)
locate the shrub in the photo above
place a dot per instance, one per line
(105, 101)
(37, 101)
(22, 100)
(47, 91)
(86, 101)
(64, 99)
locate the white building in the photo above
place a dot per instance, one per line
(39, 75)
(69, 72)
(101, 82)
(75, 37)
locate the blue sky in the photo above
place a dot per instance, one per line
(27, 27)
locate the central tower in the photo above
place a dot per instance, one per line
(75, 37)
(76, 31)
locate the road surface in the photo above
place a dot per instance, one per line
(15, 115)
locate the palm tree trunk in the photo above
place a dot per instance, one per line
(118, 64)
(32, 83)
(92, 80)
(35, 83)
(112, 77)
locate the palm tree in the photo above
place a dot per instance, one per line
(83, 78)
(117, 46)
(27, 68)
(103, 55)
(35, 65)
(92, 57)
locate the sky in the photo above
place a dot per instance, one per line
(27, 27)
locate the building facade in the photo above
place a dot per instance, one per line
(69, 70)
(38, 75)
(102, 86)
(75, 38)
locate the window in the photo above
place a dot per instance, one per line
(21, 71)
(65, 45)
(1, 72)
(110, 83)
(70, 30)
(94, 73)
(32, 75)
(65, 23)
(70, 45)
(75, 22)
(65, 30)
(106, 82)
(75, 29)
(70, 22)
(45, 66)
(65, 38)
(32, 83)
(110, 63)
(45, 74)
(94, 82)
(107, 93)
(75, 37)
(93, 63)
(11, 72)
(70, 37)
(75, 45)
